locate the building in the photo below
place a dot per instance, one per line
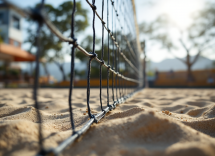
(10, 46)
(11, 33)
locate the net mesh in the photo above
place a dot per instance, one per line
(119, 59)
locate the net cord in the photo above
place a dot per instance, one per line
(37, 69)
(39, 16)
(65, 39)
(72, 65)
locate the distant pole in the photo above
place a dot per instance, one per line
(144, 64)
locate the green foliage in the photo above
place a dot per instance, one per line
(159, 31)
(204, 22)
(197, 37)
(1, 67)
(13, 72)
(1, 38)
(9, 71)
(87, 44)
(60, 16)
(150, 73)
(81, 73)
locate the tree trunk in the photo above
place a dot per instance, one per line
(63, 72)
(144, 72)
(46, 71)
(189, 74)
(60, 66)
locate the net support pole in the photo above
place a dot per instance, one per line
(144, 64)
(139, 50)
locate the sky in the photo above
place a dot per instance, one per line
(146, 10)
(180, 12)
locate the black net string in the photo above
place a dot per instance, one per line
(128, 42)
(122, 43)
(113, 38)
(127, 26)
(108, 72)
(113, 60)
(100, 70)
(123, 46)
(72, 65)
(119, 41)
(119, 52)
(116, 56)
(130, 45)
(36, 16)
(122, 55)
(119, 34)
(90, 60)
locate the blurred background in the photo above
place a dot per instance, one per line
(177, 36)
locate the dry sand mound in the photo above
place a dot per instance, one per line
(196, 112)
(210, 113)
(144, 133)
(155, 122)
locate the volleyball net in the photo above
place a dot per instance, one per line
(119, 58)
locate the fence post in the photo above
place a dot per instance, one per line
(145, 84)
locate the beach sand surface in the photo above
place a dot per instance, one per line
(153, 122)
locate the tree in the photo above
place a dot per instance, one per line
(213, 65)
(198, 37)
(1, 38)
(58, 59)
(52, 46)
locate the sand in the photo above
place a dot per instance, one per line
(153, 122)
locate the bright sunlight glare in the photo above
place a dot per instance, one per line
(180, 11)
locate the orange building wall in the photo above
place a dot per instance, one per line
(93, 83)
(179, 78)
